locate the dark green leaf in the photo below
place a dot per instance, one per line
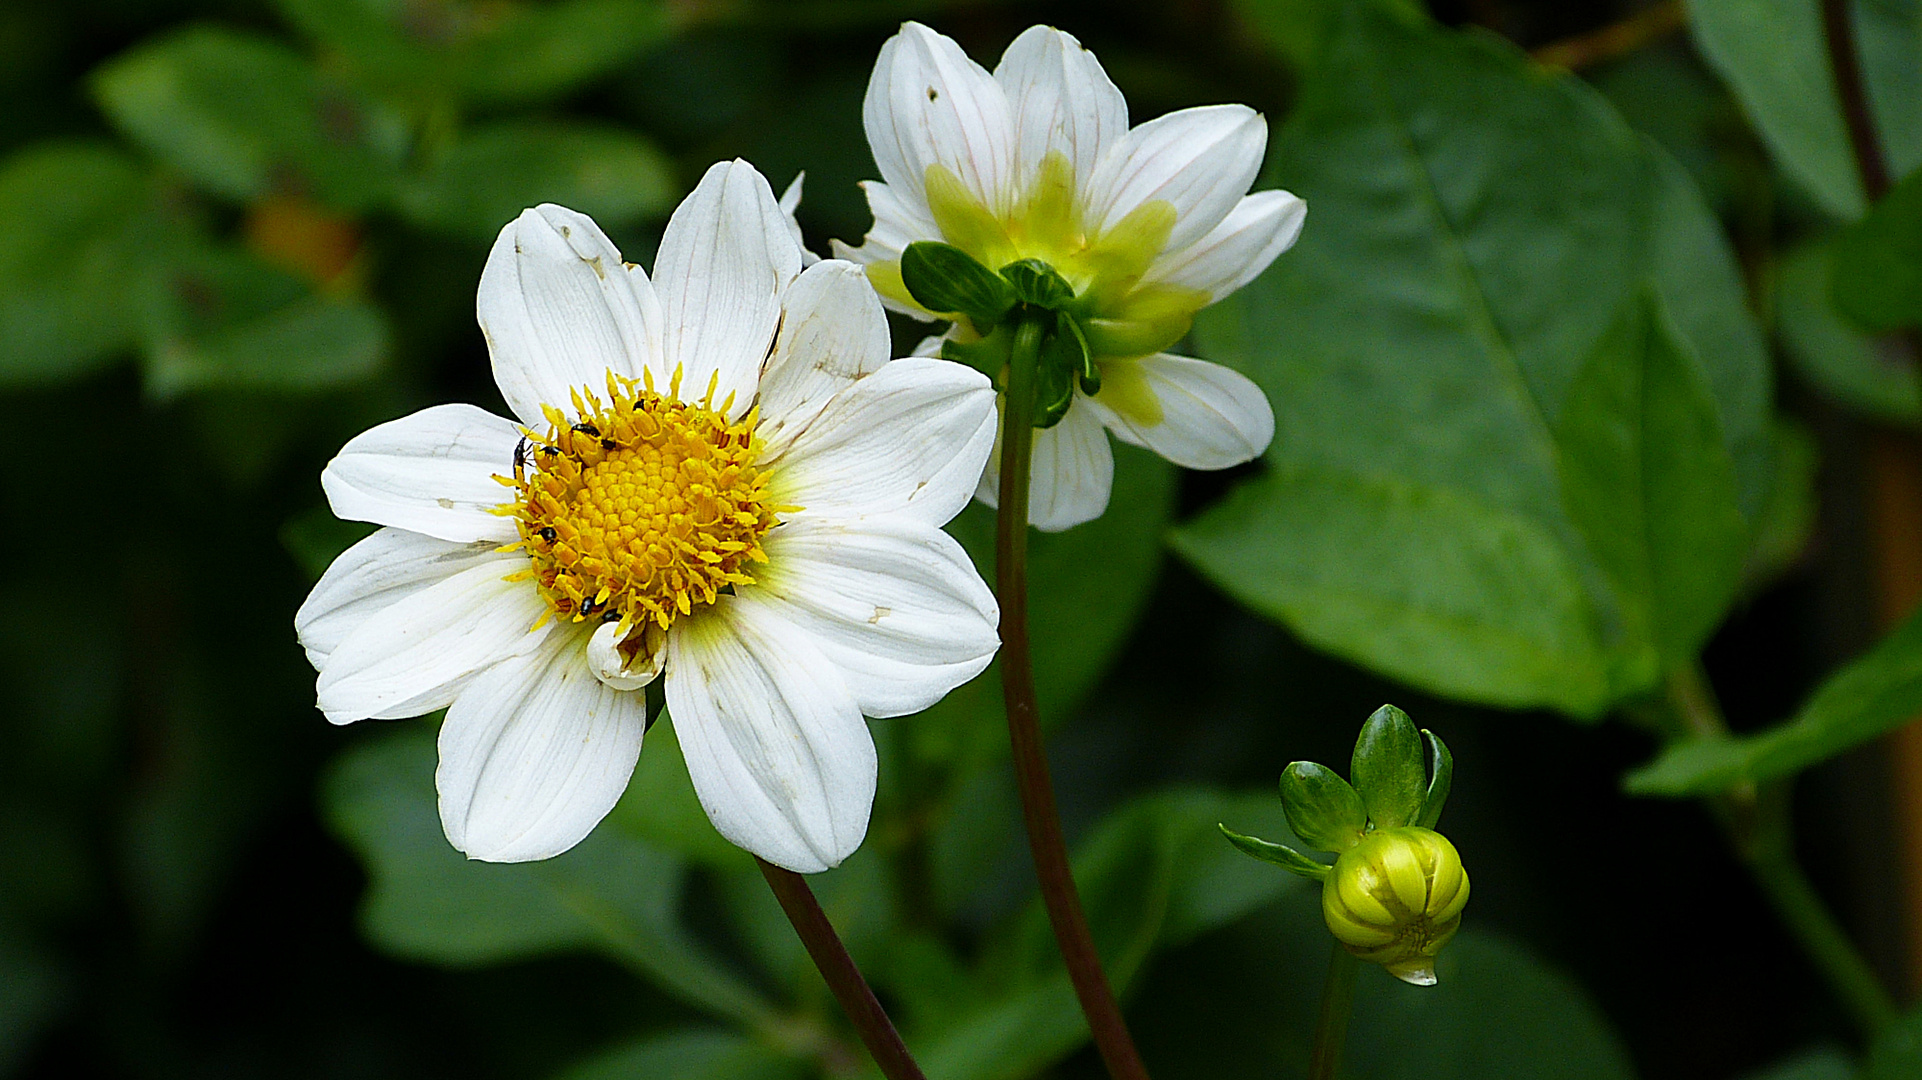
(1483, 224)
(1322, 808)
(1813, 1065)
(540, 51)
(943, 278)
(1388, 769)
(484, 181)
(1037, 283)
(69, 260)
(1772, 53)
(1648, 480)
(1865, 374)
(1280, 854)
(1897, 1053)
(246, 116)
(689, 1055)
(1788, 517)
(315, 538)
(426, 901)
(1877, 278)
(1439, 783)
(1875, 694)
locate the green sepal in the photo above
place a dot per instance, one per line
(1280, 854)
(1064, 358)
(1090, 371)
(988, 355)
(946, 280)
(1439, 781)
(1388, 769)
(1035, 282)
(1322, 808)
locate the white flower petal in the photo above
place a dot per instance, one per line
(1211, 416)
(1200, 160)
(908, 439)
(560, 310)
(833, 331)
(377, 573)
(928, 104)
(775, 744)
(1260, 227)
(430, 472)
(1069, 475)
(415, 656)
(896, 604)
(534, 753)
(1061, 99)
(605, 660)
(790, 202)
(725, 258)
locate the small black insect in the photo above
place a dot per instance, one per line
(547, 533)
(607, 444)
(586, 428)
(588, 606)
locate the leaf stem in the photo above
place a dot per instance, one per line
(1757, 823)
(1838, 28)
(1337, 1002)
(837, 968)
(1045, 842)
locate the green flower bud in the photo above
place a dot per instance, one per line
(1396, 898)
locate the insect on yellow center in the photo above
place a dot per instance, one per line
(639, 509)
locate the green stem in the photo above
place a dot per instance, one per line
(1045, 841)
(1337, 1002)
(1757, 823)
(837, 968)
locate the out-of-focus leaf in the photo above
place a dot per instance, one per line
(312, 344)
(1787, 519)
(32, 988)
(1650, 483)
(1844, 363)
(1773, 56)
(1496, 1011)
(1813, 1065)
(689, 1055)
(660, 806)
(246, 116)
(425, 900)
(1666, 93)
(69, 215)
(315, 538)
(1897, 1053)
(485, 180)
(1876, 694)
(1877, 278)
(486, 53)
(1483, 224)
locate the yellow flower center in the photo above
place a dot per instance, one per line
(640, 509)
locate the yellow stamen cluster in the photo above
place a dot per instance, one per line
(639, 509)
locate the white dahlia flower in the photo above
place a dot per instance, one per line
(716, 478)
(1149, 225)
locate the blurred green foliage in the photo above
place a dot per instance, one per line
(1528, 457)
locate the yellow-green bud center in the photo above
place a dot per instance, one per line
(1396, 898)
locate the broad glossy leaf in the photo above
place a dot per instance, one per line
(315, 343)
(1849, 366)
(689, 1055)
(611, 893)
(1482, 224)
(246, 116)
(484, 181)
(1875, 694)
(1877, 279)
(1389, 768)
(1650, 483)
(70, 216)
(1773, 55)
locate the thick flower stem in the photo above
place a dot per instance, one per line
(1758, 825)
(1337, 1001)
(1050, 851)
(837, 968)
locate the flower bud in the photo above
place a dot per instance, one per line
(1396, 898)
